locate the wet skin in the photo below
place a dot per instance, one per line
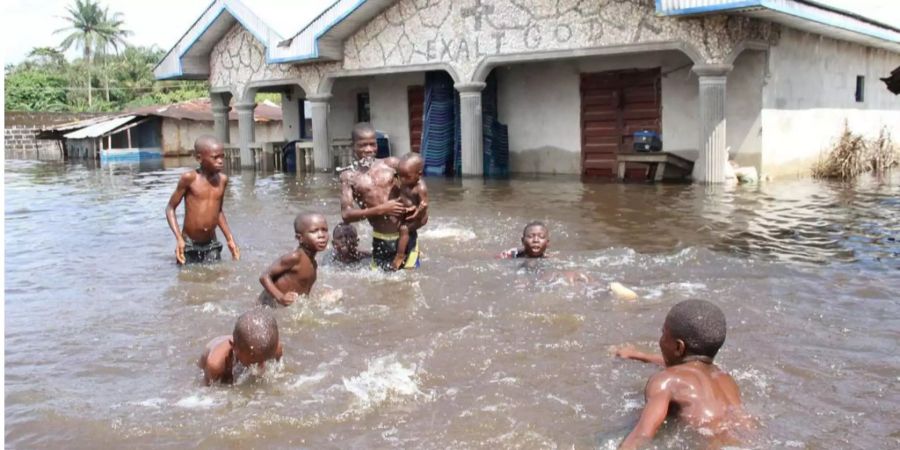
(691, 387)
(203, 192)
(346, 248)
(413, 193)
(535, 241)
(294, 274)
(217, 360)
(368, 185)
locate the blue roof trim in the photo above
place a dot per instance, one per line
(325, 29)
(223, 8)
(775, 7)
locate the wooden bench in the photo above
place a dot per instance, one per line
(658, 161)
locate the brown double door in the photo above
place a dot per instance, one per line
(613, 106)
(415, 97)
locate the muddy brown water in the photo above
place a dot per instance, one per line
(103, 330)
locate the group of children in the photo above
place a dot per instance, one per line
(690, 385)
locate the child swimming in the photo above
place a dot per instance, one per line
(294, 274)
(203, 191)
(691, 385)
(253, 341)
(345, 245)
(535, 240)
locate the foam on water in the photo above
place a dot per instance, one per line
(198, 401)
(448, 232)
(385, 378)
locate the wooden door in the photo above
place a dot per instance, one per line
(416, 102)
(613, 106)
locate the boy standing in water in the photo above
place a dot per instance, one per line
(253, 341)
(203, 191)
(414, 196)
(691, 385)
(535, 240)
(345, 245)
(293, 274)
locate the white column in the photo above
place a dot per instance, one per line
(471, 127)
(221, 123)
(246, 132)
(710, 165)
(290, 115)
(322, 158)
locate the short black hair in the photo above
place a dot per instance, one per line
(204, 143)
(700, 324)
(360, 129)
(410, 160)
(303, 217)
(535, 223)
(256, 332)
(343, 227)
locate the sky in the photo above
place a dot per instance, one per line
(30, 23)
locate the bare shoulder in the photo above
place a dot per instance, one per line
(662, 382)
(391, 161)
(347, 176)
(189, 176)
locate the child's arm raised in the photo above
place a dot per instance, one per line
(226, 231)
(180, 191)
(278, 268)
(657, 397)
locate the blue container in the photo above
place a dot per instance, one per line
(647, 141)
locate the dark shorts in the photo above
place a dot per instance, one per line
(198, 252)
(384, 249)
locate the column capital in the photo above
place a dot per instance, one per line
(219, 109)
(245, 107)
(472, 87)
(318, 98)
(712, 70)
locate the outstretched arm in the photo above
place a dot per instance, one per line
(226, 231)
(278, 268)
(657, 396)
(628, 352)
(183, 184)
(350, 214)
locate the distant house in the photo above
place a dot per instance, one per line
(153, 131)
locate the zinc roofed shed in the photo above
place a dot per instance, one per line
(566, 85)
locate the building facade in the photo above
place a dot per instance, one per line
(767, 83)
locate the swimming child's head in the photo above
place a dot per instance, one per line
(535, 239)
(345, 240)
(692, 328)
(409, 171)
(311, 230)
(255, 337)
(209, 153)
(365, 144)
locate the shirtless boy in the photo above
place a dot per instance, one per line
(253, 341)
(293, 274)
(203, 191)
(413, 194)
(691, 386)
(535, 240)
(345, 245)
(368, 184)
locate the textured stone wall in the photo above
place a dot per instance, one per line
(463, 33)
(238, 59)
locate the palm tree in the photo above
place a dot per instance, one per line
(113, 36)
(91, 29)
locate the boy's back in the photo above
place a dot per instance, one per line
(705, 396)
(292, 273)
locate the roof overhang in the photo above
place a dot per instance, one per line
(800, 14)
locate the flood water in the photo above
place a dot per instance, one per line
(103, 330)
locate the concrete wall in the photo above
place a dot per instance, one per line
(810, 93)
(541, 104)
(178, 136)
(388, 106)
(21, 129)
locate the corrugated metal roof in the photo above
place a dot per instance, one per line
(99, 129)
(201, 110)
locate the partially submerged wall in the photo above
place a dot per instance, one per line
(810, 92)
(178, 136)
(20, 134)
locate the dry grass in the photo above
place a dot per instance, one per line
(853, 155)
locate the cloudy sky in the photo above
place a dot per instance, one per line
(30, 23)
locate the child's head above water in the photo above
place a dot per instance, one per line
(255, 337)
(344, 239)
(409, 171)
(535, 239)
(693, 328)
(311, 230)
(209, 153)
